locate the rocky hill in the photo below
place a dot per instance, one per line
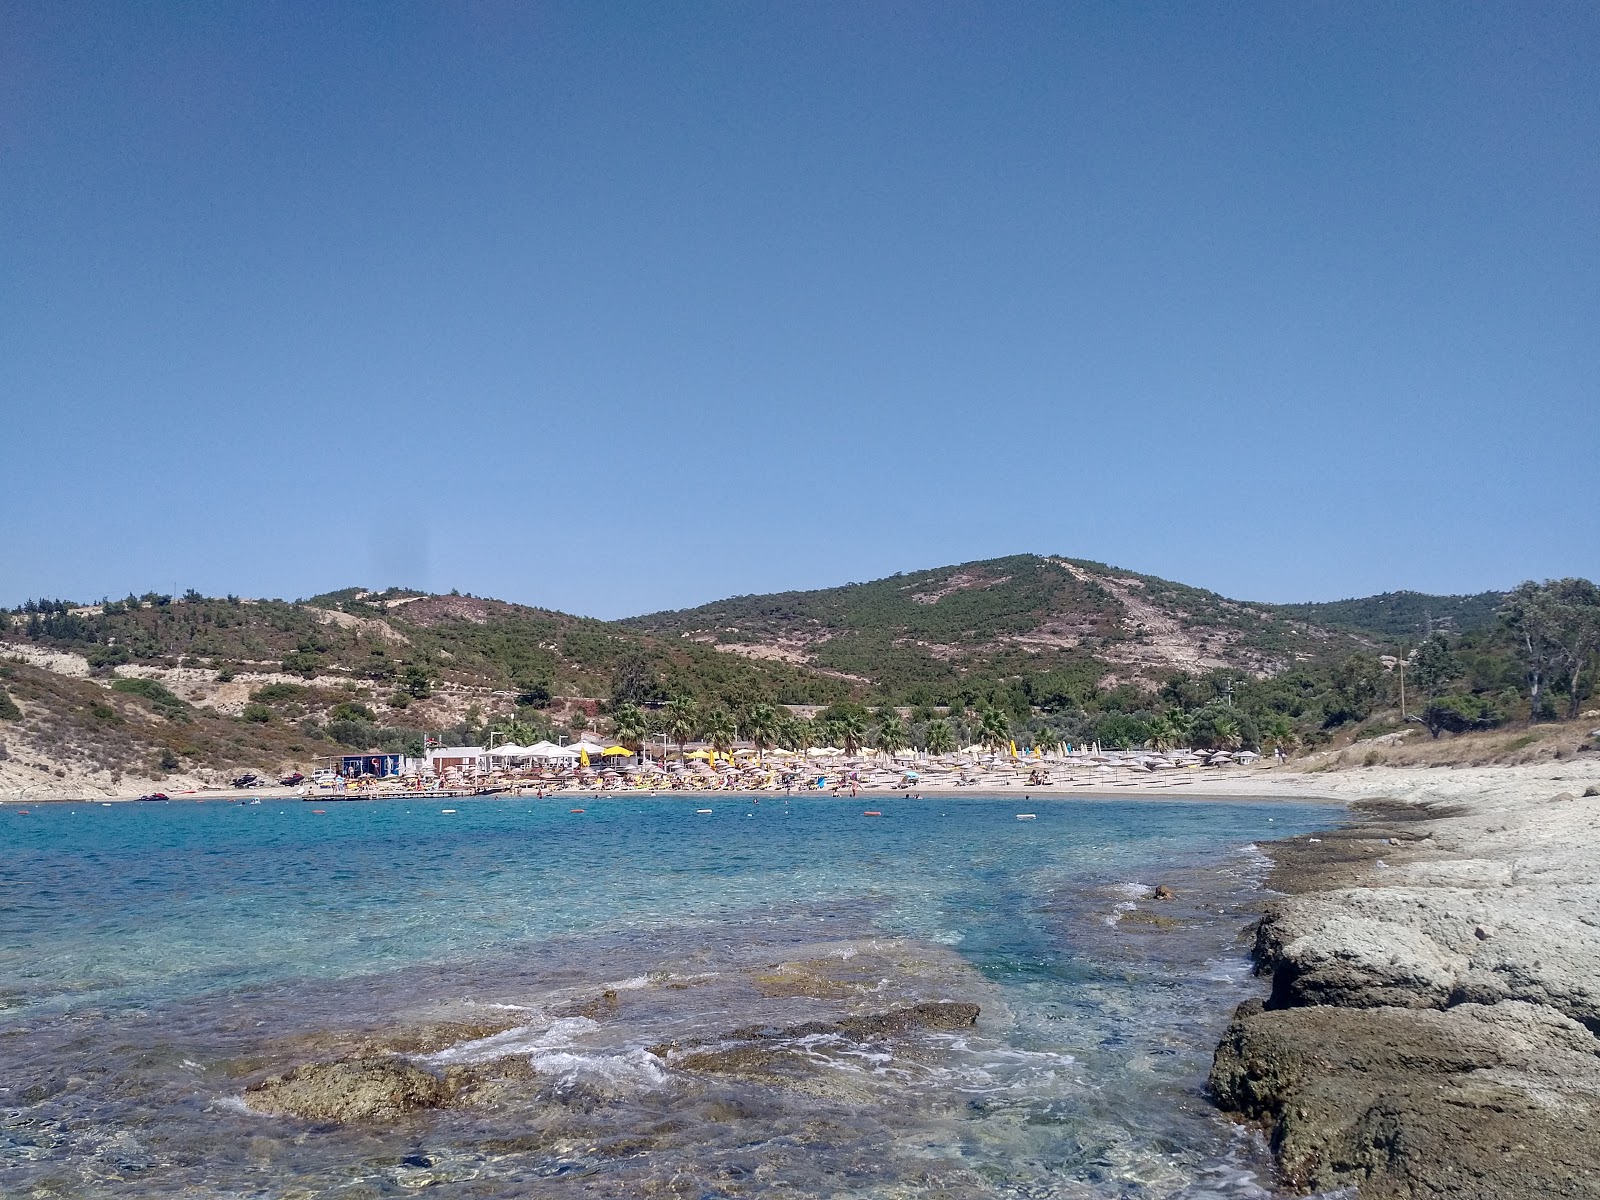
(191, 688)
(921, 635)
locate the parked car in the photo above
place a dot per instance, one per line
(292, 780)
(156, 796)
(246, 781)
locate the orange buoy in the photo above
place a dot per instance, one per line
(319, 812)
(872, 812)
(22, 812)
(574, 810)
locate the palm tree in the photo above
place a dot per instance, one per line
(1161, 735)
(763, 726)
(1046, 740)
(940, 739)
(629, 725)
(1227, 729)
(683, 721)
(994, 729)
(719, 730)
(891, 732)
(1277, 730)
(799, 734)
(850, 730)
(1181, 724)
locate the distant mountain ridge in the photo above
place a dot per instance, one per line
(1401, 616)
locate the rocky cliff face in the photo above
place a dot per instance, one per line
(1434, 1008)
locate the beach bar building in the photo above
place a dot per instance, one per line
(374, 764)
(468, 760)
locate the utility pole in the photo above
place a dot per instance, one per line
(1403, 688)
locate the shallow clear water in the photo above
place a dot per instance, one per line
(157, 959)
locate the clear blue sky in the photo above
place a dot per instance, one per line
(618, 307)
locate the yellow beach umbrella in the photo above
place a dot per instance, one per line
(583, 756)
(616, 752)
(700, 754)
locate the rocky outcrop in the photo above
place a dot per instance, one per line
(380, 1088)
(1435, 997)
(358, 1089)
(1481, 1102)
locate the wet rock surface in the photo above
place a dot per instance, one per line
(383, 1088)
(1435, 992)
(359, 1089)
(765, 1050)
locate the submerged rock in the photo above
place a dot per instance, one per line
(382, 1087)
(768, 1050)
(359, 1089)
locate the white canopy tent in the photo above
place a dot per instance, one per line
(550, 750)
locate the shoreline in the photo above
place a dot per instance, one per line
(1265, 786)
(1432, 1022)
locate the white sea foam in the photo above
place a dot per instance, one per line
(1225, 970)
(630, 1071)
(1256, 856)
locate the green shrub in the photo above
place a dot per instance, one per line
(224, 674)
(348, 710)
(1458, 714)
(162, 700)
(150, 689)
(419, 681)
(354, 733)
(400, 700)
(259, 713)
(305, 663)
(8, 708)
(275, 693)
(103, 658)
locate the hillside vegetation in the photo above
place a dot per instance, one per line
(934, 636)
(1401, 616)
(1026, 649)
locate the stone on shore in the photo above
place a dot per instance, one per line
(1478, 1102)
(1435, 1004)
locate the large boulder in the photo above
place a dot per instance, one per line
(1478, 1102)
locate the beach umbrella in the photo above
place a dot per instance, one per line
(616, 752)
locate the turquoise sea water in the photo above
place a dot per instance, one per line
(156, 959)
